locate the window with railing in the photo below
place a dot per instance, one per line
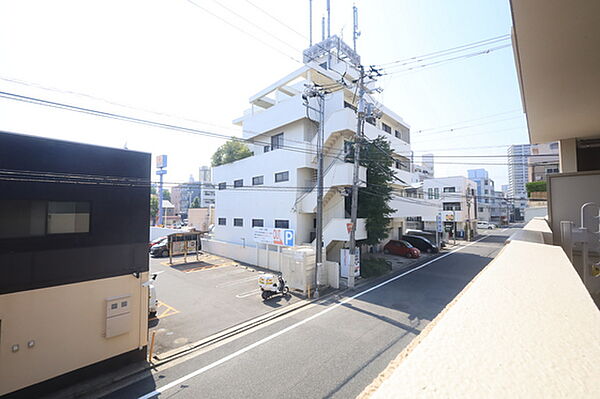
(451, 206)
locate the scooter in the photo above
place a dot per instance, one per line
(272, 285)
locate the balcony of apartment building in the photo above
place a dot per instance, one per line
(528, 324)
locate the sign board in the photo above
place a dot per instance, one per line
(349, 227)
(448, 216)
(161, 161)
(438, 223)
(267, 235)
(161, 172)
(346, 260)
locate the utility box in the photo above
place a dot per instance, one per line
(118, 315)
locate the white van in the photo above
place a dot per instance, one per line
(485, 225)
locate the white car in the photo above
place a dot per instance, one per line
(485, 225)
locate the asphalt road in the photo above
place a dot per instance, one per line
(332, 349)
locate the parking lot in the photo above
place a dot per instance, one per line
(203, 297)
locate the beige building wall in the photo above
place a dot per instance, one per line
(67, 324)
(199, 218)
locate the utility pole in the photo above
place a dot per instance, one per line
(313, 92)
(360, 117)
(161, 164)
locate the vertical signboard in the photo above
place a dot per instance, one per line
(347, 262)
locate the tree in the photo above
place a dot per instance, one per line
(373, 200)
(153, 207)
(229, 152)
(166, 195)
(195, 203)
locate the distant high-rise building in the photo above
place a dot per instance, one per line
(489, 201)
(205, 174)
(518, 175)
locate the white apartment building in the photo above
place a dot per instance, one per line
(276, 187)
(518, 156)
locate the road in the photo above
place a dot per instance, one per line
(331, 349)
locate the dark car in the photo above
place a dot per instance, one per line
(422, 243)
(402, 248)
(161, 248)
(426, 234)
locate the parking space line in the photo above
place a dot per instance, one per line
(240, 281)
(166, 311)
(247, 294)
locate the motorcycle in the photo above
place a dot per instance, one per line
(271, 285)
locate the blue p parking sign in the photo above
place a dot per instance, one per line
(288, 238)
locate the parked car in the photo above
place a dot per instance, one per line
(421, 243)
(427, 234)
(154, 242)
(485, 225)
(402, 248)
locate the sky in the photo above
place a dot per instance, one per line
(196, 65)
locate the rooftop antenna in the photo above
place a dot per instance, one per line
(310, 22)
(356, 32)
(328, 18)
(323, 28)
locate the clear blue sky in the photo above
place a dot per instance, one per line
(178, 59)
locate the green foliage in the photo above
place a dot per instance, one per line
(195, 203)
(373, 200)
(536, 187)
(373, 267)
(166, 195)
(229, 152)
(153, 190)
(153, 206)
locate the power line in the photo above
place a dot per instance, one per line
(445, 61)
(245, 32)
(278, 20)
(435, 53)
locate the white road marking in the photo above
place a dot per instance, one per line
(235, 282)
(293, 326)
(247, 294)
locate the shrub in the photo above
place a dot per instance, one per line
(373, 267)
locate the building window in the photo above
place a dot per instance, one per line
(386, 128)
(209, 193)
(554, 146)
(282, 224)
(282, 176)
(209, 201)
(436, 193)
(258, 180)
(486, 201)
(222, 186)
(486, 191)
(22, 218)
(480, 209)
(398, 134)
(430, 193)
(68, 217)
(552, 170)
(258, 223)
(238, 183)
(449, 189)
(277, 141)
(451, 206)
(238, 222)
(222, 221)
(266, 148)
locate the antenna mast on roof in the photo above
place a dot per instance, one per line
(323, 29)
(328, 18)
(355, 31)
(310, 22)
